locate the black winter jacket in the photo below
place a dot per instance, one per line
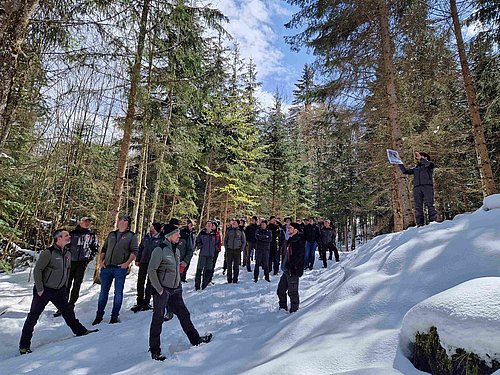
(294, 255)
(250, 232)
(84, 245)
(148, 244)
(327, 236)
(422, 172)
(311, 233)
(264, 238)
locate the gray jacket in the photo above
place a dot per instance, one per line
(52, 268)
(422, 172)
(163, 268)
(118, 247)
(207, 243)
(235, 239)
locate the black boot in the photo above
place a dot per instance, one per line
(205, 339)
(158, 357)
(97, 320)
(88, 332)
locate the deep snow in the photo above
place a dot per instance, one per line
(349, 320)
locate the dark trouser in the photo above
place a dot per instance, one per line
(60, 300)
(288, 283)
(143, 295)
(233, 258)
(107, 275)
(310, 255)
(184, 273)
(248, 252)
(171, 298)
(76, 273)
(421, 194)
(274, 258)
(261, 259)
(332, 249)
(205, 266)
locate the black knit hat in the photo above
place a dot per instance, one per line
(169, 230)
(174, 221)
(157, 226)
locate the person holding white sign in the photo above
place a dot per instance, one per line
(423, 188)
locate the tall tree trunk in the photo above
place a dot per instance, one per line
(483, 157)
(144, 191)
(353, 232)
(402, 194)
(140, 178)
(224, 219)
(273, 202)
(14, 21)
(129, 120)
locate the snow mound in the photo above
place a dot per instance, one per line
(466, 316)
(491, 202)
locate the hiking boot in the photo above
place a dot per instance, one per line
(146, 307)
(254, 280)
(88, 332)
(205, 339)
(136, 308)
(97, 320)
(158, 357)
(249, 269)
(168, 316)
(114, 319)
(57, 314)
(267, 279)
(283, 308)
(25, 351)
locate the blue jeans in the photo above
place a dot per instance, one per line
(107, 275)
(310, 254)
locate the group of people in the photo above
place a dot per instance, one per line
(163, 257)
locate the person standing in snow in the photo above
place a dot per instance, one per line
(51, 276)
(423, 187)
(148, 243)
(327, 242)
(234, 244)
(293, 268)
(83, 248)
(165, 276)
(274, 254)
(250, 237)
(311, 235)
(186, 246)
(262, 248)
(118, 252)
(208, 243)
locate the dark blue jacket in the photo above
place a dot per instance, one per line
(148, 244)
(264, 238)
(207, 243)
(422, 172)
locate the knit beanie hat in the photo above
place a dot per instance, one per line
(170, 229)
(174, 221)
(157, 226)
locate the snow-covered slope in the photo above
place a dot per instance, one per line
(349, 319)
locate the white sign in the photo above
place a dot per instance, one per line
(393, 157)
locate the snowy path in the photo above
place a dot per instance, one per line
(348, 322)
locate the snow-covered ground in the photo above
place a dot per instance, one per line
(349, 319)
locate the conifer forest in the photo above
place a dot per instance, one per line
(147, 108)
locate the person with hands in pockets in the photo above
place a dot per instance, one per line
(51, 277)
(165, 275)
(118, 252)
